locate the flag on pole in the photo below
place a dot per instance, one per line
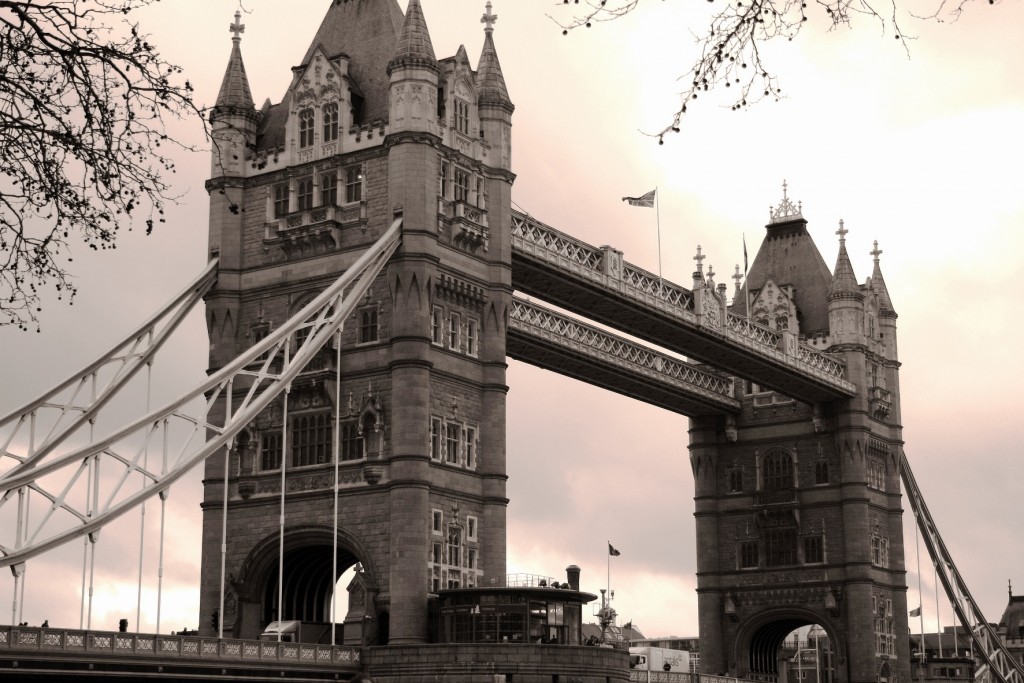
(745, 267)
(612, 551)
(916, 612)
(646, 200)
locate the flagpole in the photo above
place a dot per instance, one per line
(746, 269)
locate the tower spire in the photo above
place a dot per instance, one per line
(878, 284)
(234, 89)
(414, 47)
(491, 87)
(844, 282)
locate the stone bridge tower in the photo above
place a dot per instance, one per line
(372, 127)
(798, 508)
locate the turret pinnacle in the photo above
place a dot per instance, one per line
(234, 89)
(844, 282)
(414, 47)
(878, 284)
(490, 81)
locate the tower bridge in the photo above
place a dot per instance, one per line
(360, 308)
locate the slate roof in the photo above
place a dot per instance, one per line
(491, 87)
(788, 256)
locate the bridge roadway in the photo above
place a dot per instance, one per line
(598, 284)
(552, 341)
(53, 654)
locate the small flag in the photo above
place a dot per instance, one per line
(916, 612)
(745, 267)
(612, 551)
(646, 200)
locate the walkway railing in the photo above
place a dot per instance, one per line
(55, 642)
(605, 267)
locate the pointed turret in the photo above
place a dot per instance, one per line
(490, 81)
(844, 282)
(414, 48)
(878, 284)
(234, 95)
(493, 102)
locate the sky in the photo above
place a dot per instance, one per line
(921, 153)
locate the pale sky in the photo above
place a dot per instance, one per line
(921, 153)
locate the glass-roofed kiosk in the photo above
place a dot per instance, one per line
(527, 609)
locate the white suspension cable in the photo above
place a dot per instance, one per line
(337, 457)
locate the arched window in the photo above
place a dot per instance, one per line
(777, 469)
(821, 472)
(330, 113)
(306, 118)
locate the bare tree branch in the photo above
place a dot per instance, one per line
(85, 99)
(730, 48)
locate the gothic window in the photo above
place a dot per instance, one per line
(880, 551)
(781, 321)
(461, 185)
(876, 474)
(748, 555)
(821, 472)
(471, 337)
(353, 184)
(330, 113)
(329, 188)
(453, 434)
(306, 119)
(885, 627)
(304, 193)
(351, 441)
(777, 468)
(735, 480)
(311, 439)
(435, 438)
(437, 326)
(280, 200)
(814, 549)
(454, 332)
(270, 450)
(368, 325)
(455, 546)
(442, 180)
(780, 547)
(462, 116)
(469, 447)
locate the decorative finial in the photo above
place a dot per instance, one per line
(237, 28)
(842, 232)
(876, 252)
(699, 258)
(786, 210)
(488, 19)
(737, 276)
(711, 272)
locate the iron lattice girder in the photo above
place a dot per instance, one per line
(255, 370)
(996, 661)
(598, 284)
(556, 342)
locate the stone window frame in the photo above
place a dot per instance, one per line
(355, 177)
(307, 127)
(437, 439)
(437, 521)
(279, 203)
(312, 438)
(879, 549)
(368, 318)
(465, 436)
(350, 440)
(329, 188)
(270, 450)
(330, 121)
(472, 527)
(777, 466)
(472, 337)
(734, 480)
(304, 193)
(454, 332)
(748, 555)
(437, 326)
(453, 438)
(780, 547)
(821, 473)
(813, 542)
(461, 115)
(461, 184)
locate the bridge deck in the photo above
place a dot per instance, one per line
(597, 283)
(48, 652)
(550, 340)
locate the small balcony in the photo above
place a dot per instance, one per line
(468, 223)
(881, 404)
(777, 497)
(314, 231)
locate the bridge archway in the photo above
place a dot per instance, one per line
(778, 643)
(308, 585)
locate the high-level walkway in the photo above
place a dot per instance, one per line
(596, 282)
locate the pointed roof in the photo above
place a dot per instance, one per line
(234, 89)
(878, 283)
(844, 282)
(788, 256)
(367, 32)
(490, 81)
(414, 47)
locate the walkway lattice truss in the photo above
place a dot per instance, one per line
(49, 453)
